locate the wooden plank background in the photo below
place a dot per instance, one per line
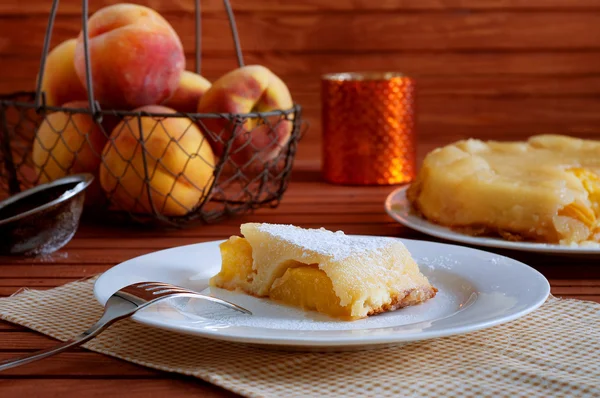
(485, 68)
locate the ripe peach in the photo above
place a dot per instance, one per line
(191, 88)
(248, 89)
(68, 144)
(60, 81)
(136, 56)
(179, 161)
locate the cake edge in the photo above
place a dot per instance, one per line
(483, 230)
(406, 298)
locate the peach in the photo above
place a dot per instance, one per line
(136, 57)
(189, 91)
(68, 144)
(248, 89)
(180, 164)
(60, 81)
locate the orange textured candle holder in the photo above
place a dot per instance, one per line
(368, 128)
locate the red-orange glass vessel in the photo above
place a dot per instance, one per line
(368, 128)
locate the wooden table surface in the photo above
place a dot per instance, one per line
(309, 202)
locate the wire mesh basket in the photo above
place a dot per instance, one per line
(155, 166)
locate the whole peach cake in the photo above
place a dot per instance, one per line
(546, 189)
(342, 276)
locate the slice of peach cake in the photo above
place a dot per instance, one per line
(344, 276)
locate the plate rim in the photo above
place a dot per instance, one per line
(307, 342)
(442, 232)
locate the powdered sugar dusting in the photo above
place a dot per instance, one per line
(439, 261)
(336, 245)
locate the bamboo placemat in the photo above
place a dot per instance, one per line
(553, 352)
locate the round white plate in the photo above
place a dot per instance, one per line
(400, 209)
(476, 290)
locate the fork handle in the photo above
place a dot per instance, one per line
(74, 342)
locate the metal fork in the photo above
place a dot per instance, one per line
(122, 304)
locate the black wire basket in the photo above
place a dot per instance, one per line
(157, 166)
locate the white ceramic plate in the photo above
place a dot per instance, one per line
(399, 208)
(476, 290)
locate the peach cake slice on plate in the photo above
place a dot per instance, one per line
(347, 277)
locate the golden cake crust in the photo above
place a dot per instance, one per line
(546, 189)
(405, 299)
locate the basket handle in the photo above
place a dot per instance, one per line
(94, 105)
(198, 25)
(234, 33)
(40, 100)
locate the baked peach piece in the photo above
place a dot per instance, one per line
(60, 81)
(179, 160)
(191, 88)
(248, 89)
(136, 56)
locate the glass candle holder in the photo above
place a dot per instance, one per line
(368, 128)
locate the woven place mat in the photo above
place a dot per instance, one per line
(553, 352)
